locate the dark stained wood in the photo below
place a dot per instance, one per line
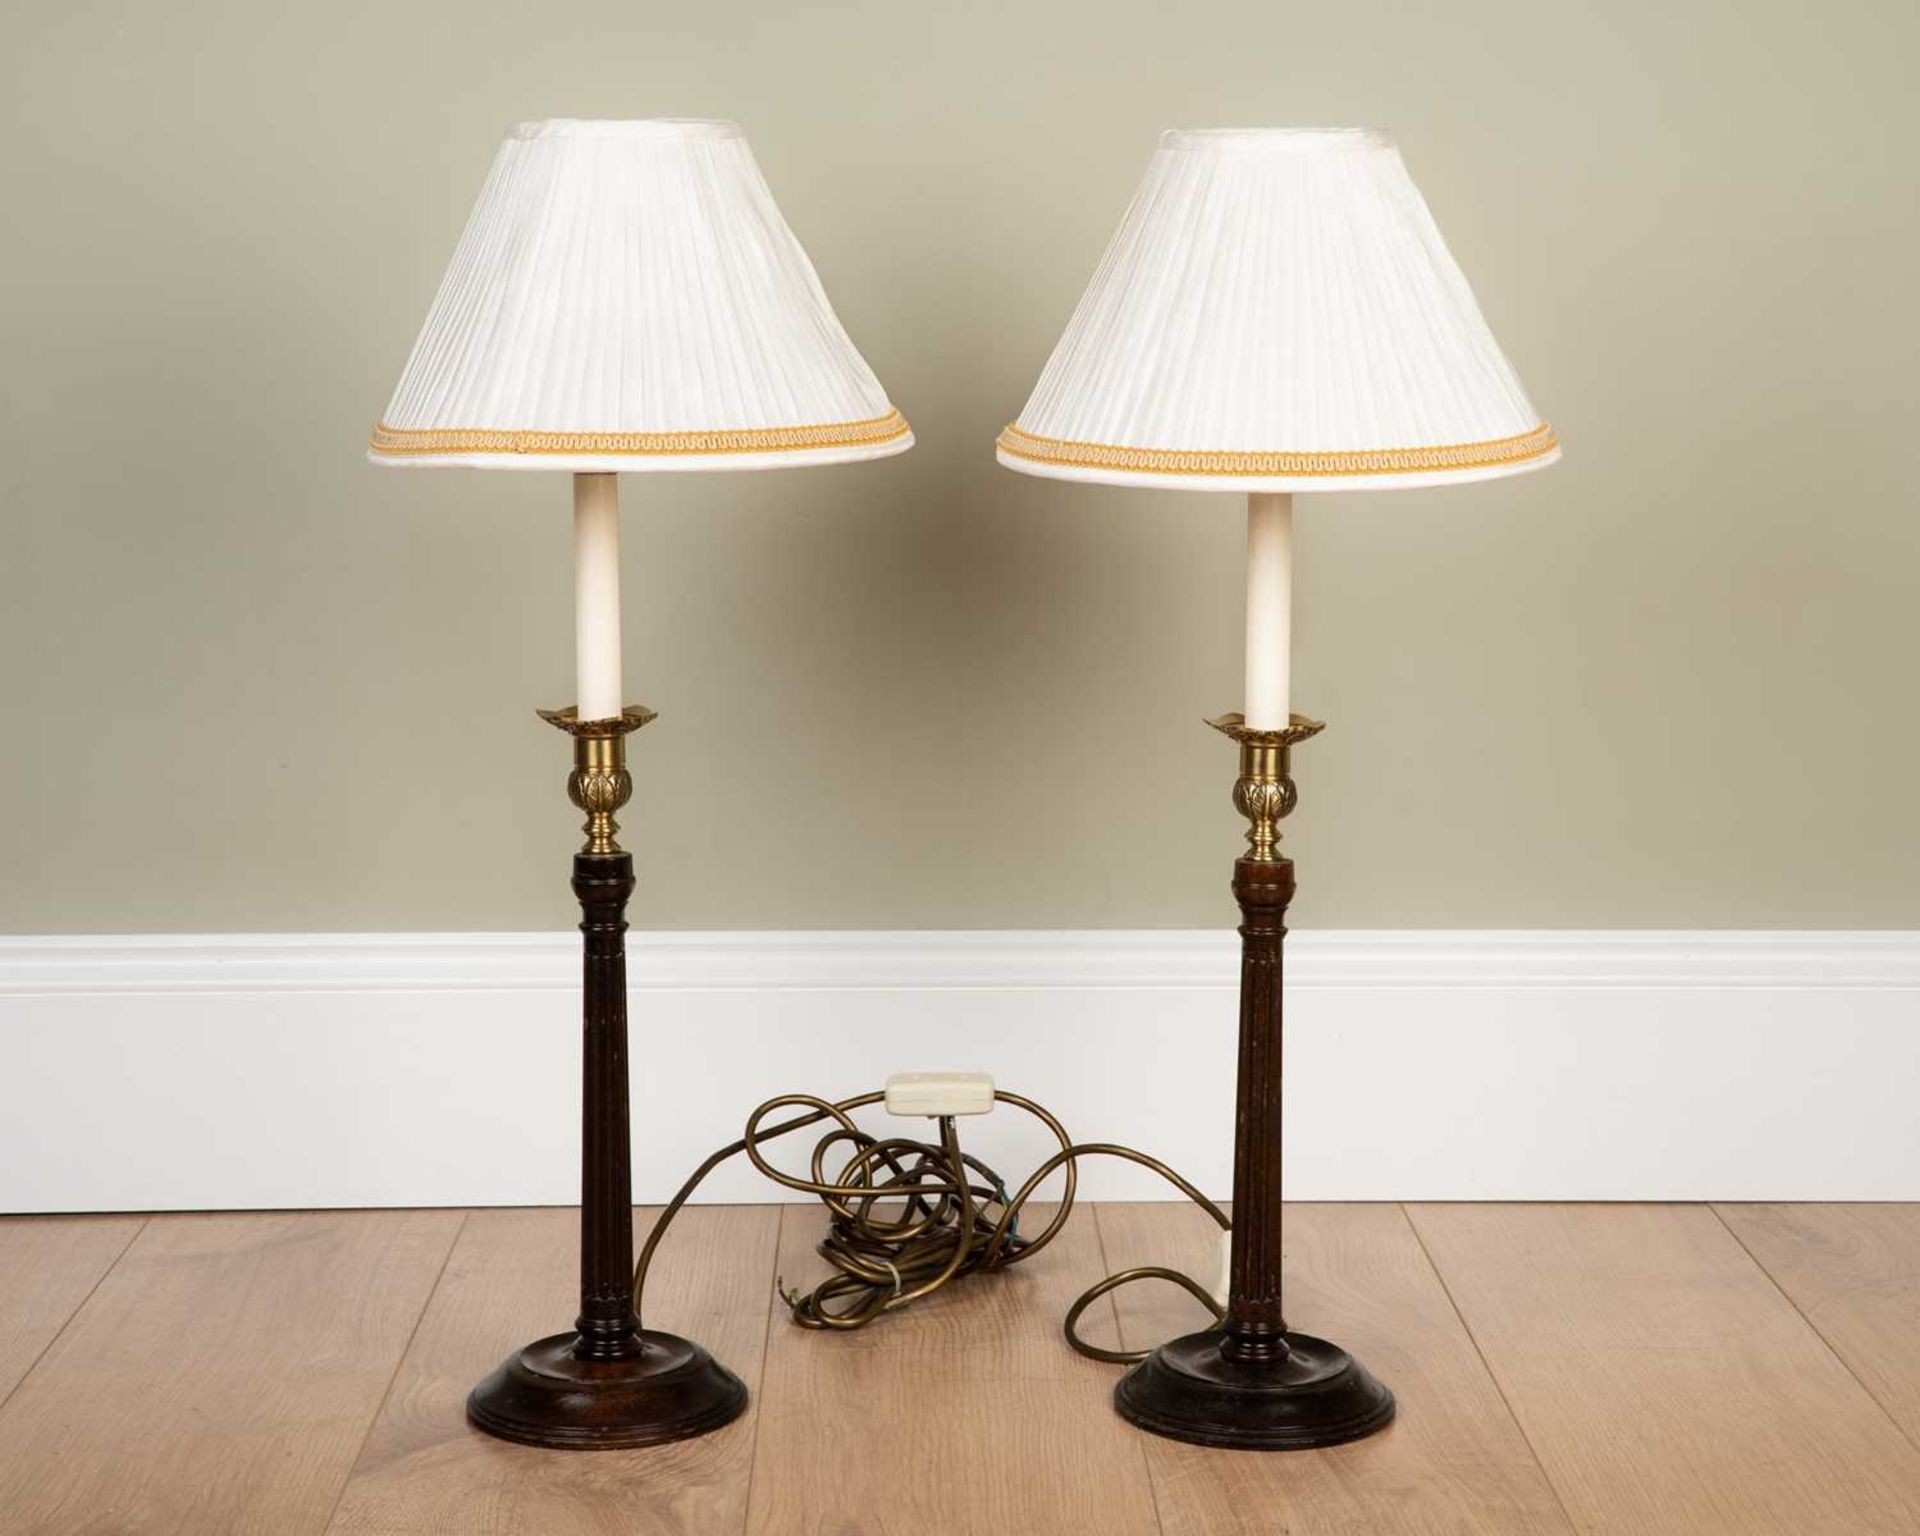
(1255, 1327)
(607, 1326)
(1255, 1385)
(606, 1385)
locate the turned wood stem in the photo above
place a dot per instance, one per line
(609, 1329)
(1255, 1329)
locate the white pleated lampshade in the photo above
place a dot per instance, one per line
(1277, 312)
(626, 296)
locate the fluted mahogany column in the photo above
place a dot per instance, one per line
(1255, 1328)
(608, 1326)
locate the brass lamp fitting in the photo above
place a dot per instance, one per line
(599, 783)
(1264, 791)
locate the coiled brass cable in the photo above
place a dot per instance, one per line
(906, 1217)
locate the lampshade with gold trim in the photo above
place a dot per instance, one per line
(627, 296)
(1277, 312)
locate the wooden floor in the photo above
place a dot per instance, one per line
(1585, 1368)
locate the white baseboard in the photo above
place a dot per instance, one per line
(239, 1071)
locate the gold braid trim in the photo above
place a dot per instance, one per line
(1359, 461)
(399, 442)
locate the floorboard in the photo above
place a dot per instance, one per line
(1854, 1273)
(511, 1279)
(1618, 1370)
(1666, 1384)
(221, 1377)
(49, 1265)
(1453, 1461)
(962, 1415)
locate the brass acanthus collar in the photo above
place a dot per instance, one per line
(599, 783)
(625, 723)
(1264, 792)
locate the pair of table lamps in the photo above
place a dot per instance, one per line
(1276, 313)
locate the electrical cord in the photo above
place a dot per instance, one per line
(906, 1217)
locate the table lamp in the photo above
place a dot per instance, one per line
(626, 296)
(1277, 313)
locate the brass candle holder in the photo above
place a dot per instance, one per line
(609, 1382)
(1252, 1383)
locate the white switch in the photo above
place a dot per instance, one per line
(939, 1093)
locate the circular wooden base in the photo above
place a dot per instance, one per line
(543, 1395)
(1318, 1395)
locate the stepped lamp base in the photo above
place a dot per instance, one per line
(1318, 1395)
(670, 1389)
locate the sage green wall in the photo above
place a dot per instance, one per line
(252, 683)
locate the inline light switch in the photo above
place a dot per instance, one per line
(939, 1093)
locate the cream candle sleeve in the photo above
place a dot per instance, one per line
(596, 589)
(1269, 609)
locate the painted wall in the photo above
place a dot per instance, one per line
(251, 683)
